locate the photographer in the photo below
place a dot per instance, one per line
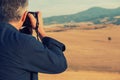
(21, 55)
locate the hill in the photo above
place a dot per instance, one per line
(96, 15)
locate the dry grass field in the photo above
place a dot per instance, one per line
(90, 55)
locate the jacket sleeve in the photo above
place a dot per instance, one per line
(46, 56)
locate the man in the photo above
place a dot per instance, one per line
(21, 55)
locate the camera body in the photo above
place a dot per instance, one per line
(27, 27)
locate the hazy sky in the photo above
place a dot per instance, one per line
(61, 7)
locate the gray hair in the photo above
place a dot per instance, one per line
(12, 10)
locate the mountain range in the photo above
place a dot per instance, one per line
(97, 15)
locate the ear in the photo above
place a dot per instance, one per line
(23, 17)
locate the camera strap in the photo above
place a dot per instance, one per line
(36, 29)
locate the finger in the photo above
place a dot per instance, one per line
(39, 14)
(40, 18)
(32, 20)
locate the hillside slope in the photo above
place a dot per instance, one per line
(95, 14)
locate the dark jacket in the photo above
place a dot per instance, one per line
(22, 56)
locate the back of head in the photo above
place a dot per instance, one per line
(12, 10)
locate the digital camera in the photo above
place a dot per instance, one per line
(27, 27)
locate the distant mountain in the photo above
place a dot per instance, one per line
(96, 15)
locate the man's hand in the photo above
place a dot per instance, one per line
(40, 26)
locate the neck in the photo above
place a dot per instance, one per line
(15, 25)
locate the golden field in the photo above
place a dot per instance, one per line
(90, 55)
